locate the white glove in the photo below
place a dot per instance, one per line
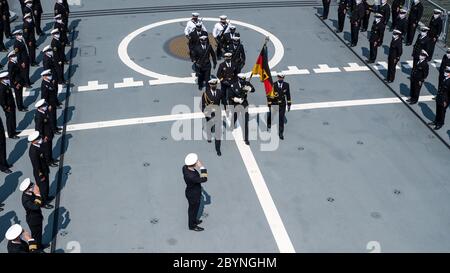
(247, 88)
(236, 99)
(241, 100)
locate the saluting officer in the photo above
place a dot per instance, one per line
(212, 98)
(202, 62)
(23, 57)
(16, 80)
(59, 56)
(30, 38)
(418, 75)
(281, 98)
(227, 72)
(4, 165)
(342, 11)
(395, 52)
(402, 22)
(236, 48)
(5, 16)
(355, 21)
(43, 124)
(444, 63)
(237, 97)
(442, 99)
(395, 9)
(376, 36)
(220, 29)
(415, 14)
(194, 39)
(193, 190)
(41, 170)
(435, 26)
(37, 14)
(8, 105)
(191, 24)
(32, 203)
(18, 245)
(422, 43)
(49, 92)
(326, 9)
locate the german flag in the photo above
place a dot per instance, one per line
(262, 68)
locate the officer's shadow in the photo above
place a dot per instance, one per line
(9, 186)
(37, 74)
(70, 111)
(431, 88)
(19, 150)
(347, 36)
(63, 220)
(334, 22)
(28, 117)
(205, 200)
(60, 149)
(48, 26)
(6, 221)
(64, 174)
(405, 70)
(427, 112)
(365, 52)
(404, 90)
(386, 49)
(448, 133)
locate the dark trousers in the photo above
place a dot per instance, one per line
(431, 49)
(415, 89)
(19, 97)
(246, 119)
(211, 127)
(2, 45)
(366, 19)
(326, 8)
(204, 74)
(411, 32)
(392, 64)
(11, 122)
(281, 117)
(48, 150)
(53, 118)
(25, 74)
(373, 51)
(194, 206)
(32, 53)
(440, 111)
(36, 232)
(3, 161)
(355, 32)
(219, 49)
(44, 186)
(60, 73)
(6, 26)
(394, 18)
(37, 23)
(341, 20)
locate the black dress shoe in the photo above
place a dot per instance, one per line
(14, 137)
(1, 209)
(209, 140)
(247, 142)
(8, 171)
(48, 206)
(45, 246)
(57, 132)
(54, 165)
(219, 153)
(408, 100)
(59, 106)
(370, 61)
(412, 102)
(437, 127)
(198, 222)
(2, 205)
(281, 137)
(197, 228)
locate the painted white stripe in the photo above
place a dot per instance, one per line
(354, 67)
(436, 63)
(324, 68)
(294, 70)
(128, 82)
(407, 64)
(92, 86)
(262, 192)
(381, 66)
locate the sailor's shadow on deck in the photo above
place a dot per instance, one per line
(65, 177)
(205, 200)
(19, 150)
(365, 52)
(28, 118)
(427, 112)
(9, 187)
(335, 23)
(386, 49)
(63, 221)
(404, 90)
(58, 149)
(70, 111)
(6, 221)
(431, 88)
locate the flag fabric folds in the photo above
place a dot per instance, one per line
(262, 69)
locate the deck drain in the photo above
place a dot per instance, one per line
(172, 241)
(99, 38)
(397, 192)
(330, 199)
(146, 164)
(325, 123)
(300, 148)
(360, 142)
(301, 89)
(163, 138)
(375, 215)
(163, 57)
(154, 221)
(148, 58)
(99, 62)
(156, 101)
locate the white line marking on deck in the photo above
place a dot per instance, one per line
(294, 70)
(128, 82)
(92, 86)
(354, 67)
(407, 64)
(324, 68)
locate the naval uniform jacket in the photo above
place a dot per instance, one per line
(377, 32)
(43, 124)
(14, 74)
(193, 181)
(22, 247)
(6, 98)
(194, 38)
(227, 73)
(386, 12)
(49, 93)
(435, 27)
(28, 33)
(443, 94)
(21, 50)
(415, 14)
(209, 100)
(236, 91)
(282, 95)
(444, 63)
(357, 14)
(238, 52)
(61, 9)
(201, 56)
(402, 25)
(396, 48)
(422, 43)
(49, 63)
(38, 161)
(420, 71)
(32, 205)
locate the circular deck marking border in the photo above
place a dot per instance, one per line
(125, 58)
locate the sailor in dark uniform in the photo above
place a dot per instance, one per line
(355, 21)
(444, 63)
(423, 42)
(395, 52)
(415, 14)
(41, 170)
(8, 104)
(228, 37)
(376, 35)
(227, 72)
(435, 26)
(5, 16)
(395, 10)
(368, 9)
(16, 244)
(342, 11)
(59, 25)
(49, 92)
(37, 14)
(442, 100)
(2, 29)
(237, 98)
(202, 62)
(4, 165)
(419, 74)
(401, 23)
(43, 124)
(62, 7)
(29, 37)
(281, 99)
(32, 203)
(59, 56)
(238, 53)
(326, 9)
(23, 56)
(212, 98)
(193, 191)
(16, 80)
(194, 39)
(384, 10)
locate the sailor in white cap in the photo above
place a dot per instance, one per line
(227, 72)
(59, 56)
(29, 37)
(23, 57)
(19, 240)
(63, 29)
(4, 165)
(32, 203)
(28, 7)
(62, 7)
(229, 36)
(194, 38)
(212, 98)
(278, 102)
(419, 73)
(415, 14)
(43, 120)
(190, 25)
(356, 18)
(193, 191)
(4, 18)
(376, 35)
(385, 10)
(236, 48)
(218, 32)
(37, 14)
(401, 23)
(38, 160)
(435, 26)
(202, 56)
(395, 52)
(442, 100)
(343, 6)
(423, 42)
(8, 104)
(395, 8)
(16, 80)
(444, 63)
